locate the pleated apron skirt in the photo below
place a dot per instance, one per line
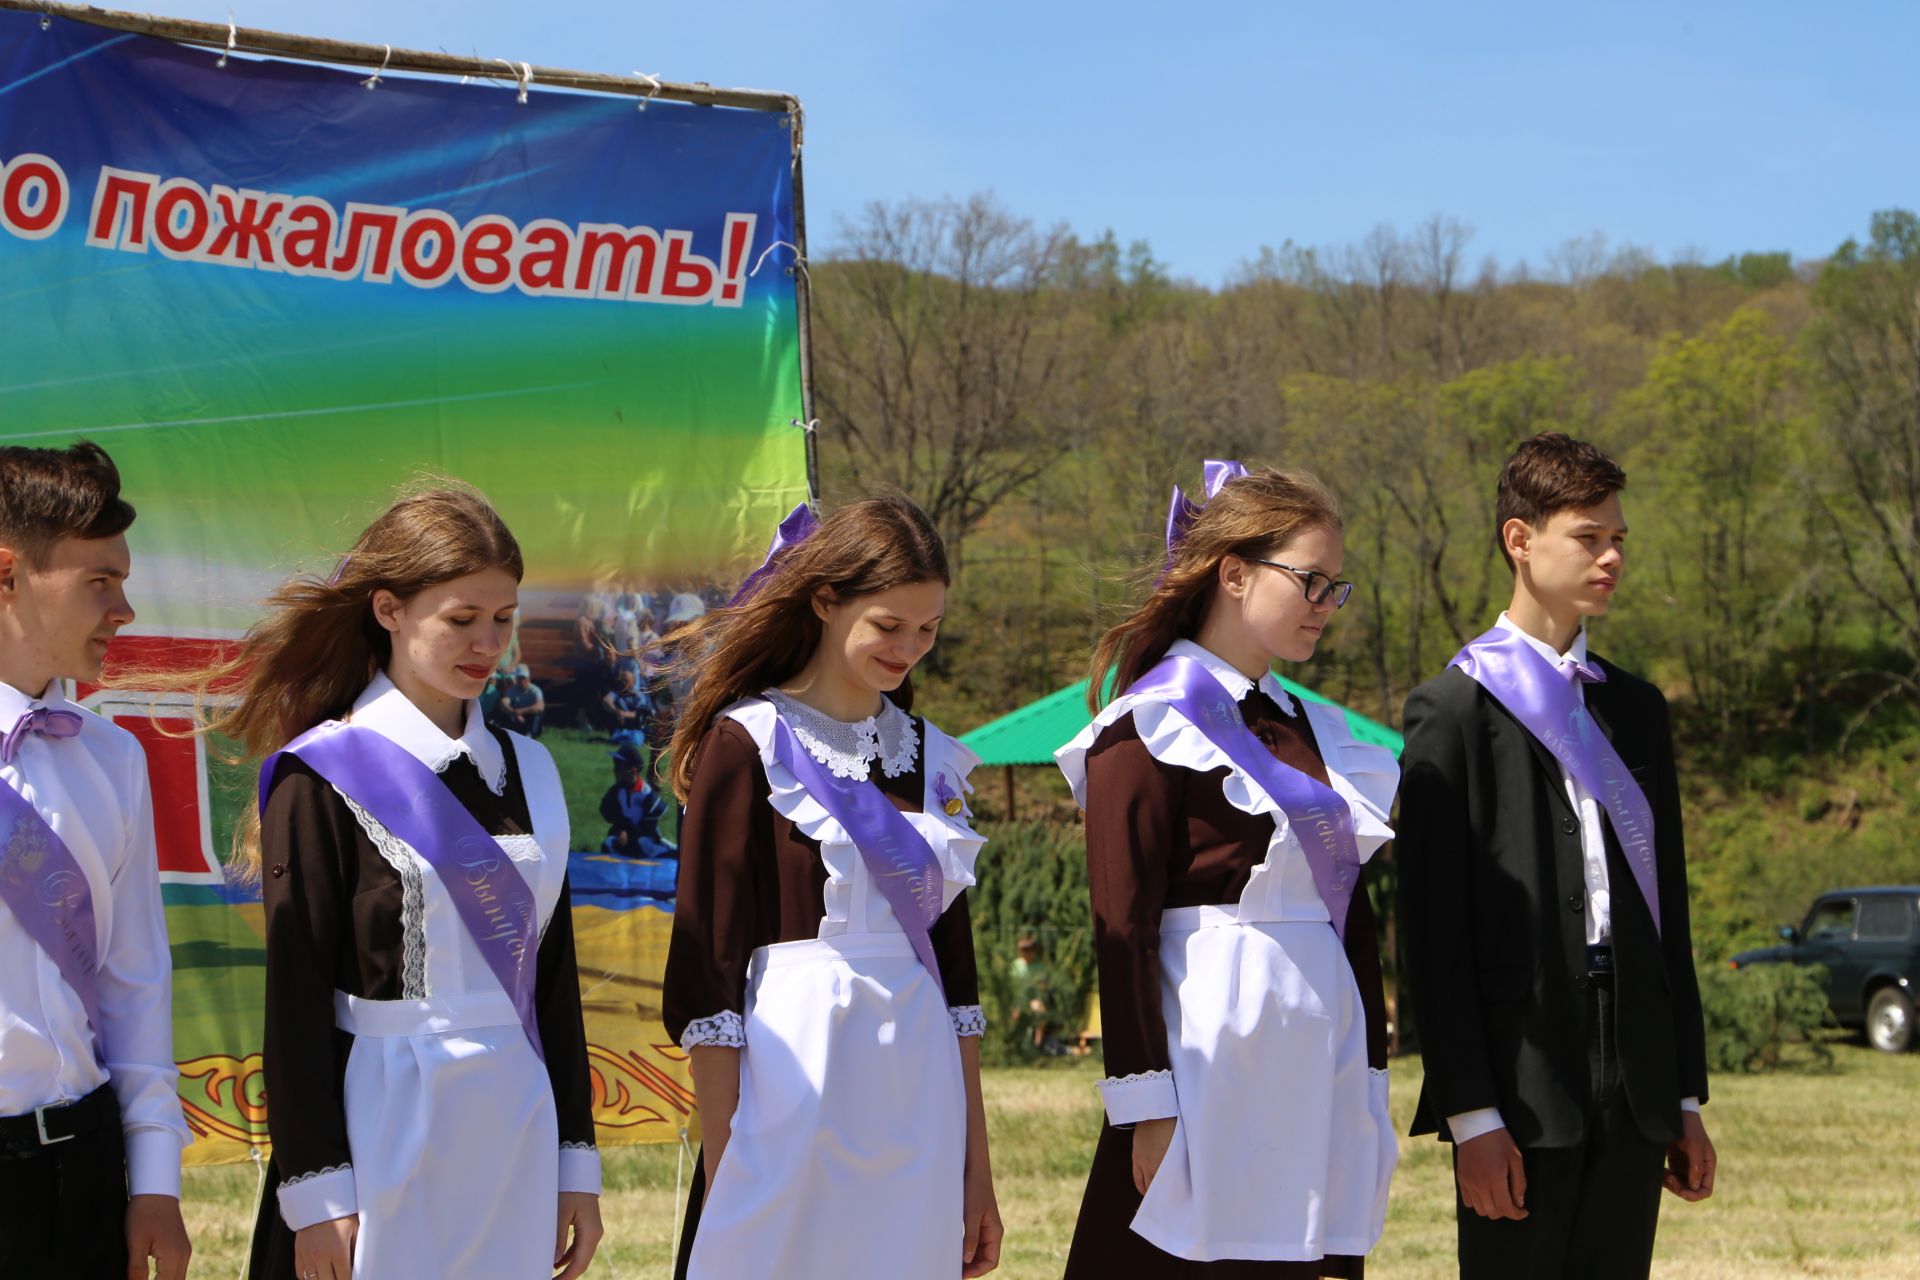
(1284, 1147)
(849, 1143)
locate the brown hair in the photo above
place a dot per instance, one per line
(736, 651)
(50, 494)
(1250, 516)
(1550, 473)
(319, 643)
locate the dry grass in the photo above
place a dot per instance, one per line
(1820, 1176)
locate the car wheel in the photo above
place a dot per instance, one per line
(1890, 1020)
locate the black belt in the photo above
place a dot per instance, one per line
(48, 1126)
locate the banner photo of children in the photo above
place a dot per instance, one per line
(276, 294)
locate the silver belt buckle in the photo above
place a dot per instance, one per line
(40, 1124)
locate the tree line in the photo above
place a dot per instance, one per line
(1038, 392)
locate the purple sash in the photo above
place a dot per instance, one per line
(1319, 817)
(1550, 707)
(409, 800)
(41, 881)
(898, 857)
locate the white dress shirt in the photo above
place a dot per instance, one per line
(92, 790)
(1593, 862)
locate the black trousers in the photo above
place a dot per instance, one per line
(63, 1208)
(1591, 1209)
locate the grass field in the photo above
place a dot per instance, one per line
(1819, 1176)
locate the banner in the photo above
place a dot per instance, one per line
(274, 292)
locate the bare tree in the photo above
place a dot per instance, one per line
(948, 365)
(1867, 345)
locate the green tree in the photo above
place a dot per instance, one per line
(1722, 435)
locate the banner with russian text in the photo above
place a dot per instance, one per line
(275, 292)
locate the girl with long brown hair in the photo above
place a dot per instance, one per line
(821, 971)
(1246, 1129)
(426, 1064)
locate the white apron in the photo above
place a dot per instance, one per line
(450, 1113)
(1283, 1146)
(849, 1143)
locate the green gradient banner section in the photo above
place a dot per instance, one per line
(263, 405)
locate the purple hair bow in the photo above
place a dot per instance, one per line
(1181, 512)
(795, 529)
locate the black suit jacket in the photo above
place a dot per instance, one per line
(1493, 900)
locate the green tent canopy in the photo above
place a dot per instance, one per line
(1033, 733)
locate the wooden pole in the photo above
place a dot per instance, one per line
(217, 35)
(1010, 813)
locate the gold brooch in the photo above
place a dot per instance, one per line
(954, 806)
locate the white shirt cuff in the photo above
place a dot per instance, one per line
(1469, 1125)
(319, 1197)
(580, 1168)
(1147, 1095)
(968, 1019)
(1690, 1104)
(153, 1162)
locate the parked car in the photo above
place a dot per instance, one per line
(1869, 941)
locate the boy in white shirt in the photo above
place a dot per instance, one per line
(90, 1124)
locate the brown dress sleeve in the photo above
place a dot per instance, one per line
(1133, 817)
(1363, 957)
(306, 845)
(563, 1029)
(952, 938)
(727, 831)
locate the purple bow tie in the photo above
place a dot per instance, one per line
(41, 720)
(1576, 672)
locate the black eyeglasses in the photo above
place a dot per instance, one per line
(1316, 585)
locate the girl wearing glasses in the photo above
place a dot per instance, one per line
(1246, 1127)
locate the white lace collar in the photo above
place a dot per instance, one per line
(847, 749)
(1230, 677)
(383, 708)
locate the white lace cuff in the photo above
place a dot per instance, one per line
(968, 1019)
(320, 1196)
(580, 1167)
(1145, 1095)
(724, 1030)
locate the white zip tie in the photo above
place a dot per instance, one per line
(233, 33)
(679, 1167)
(799, 261)
(259, 1193)
(524, 76)
(653, 88)
(46, 17)
(810, 426)
(777, 244)
(373, 80)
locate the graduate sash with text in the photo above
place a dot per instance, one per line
(898, 857)
(1549, 706)
(43, 885)
(409, 799)
(1320, 819)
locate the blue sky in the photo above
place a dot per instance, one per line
(1211, 129)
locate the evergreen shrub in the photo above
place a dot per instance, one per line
(1752, 1014)
(1032, 881)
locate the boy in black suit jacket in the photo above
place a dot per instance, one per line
(1551, 965)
